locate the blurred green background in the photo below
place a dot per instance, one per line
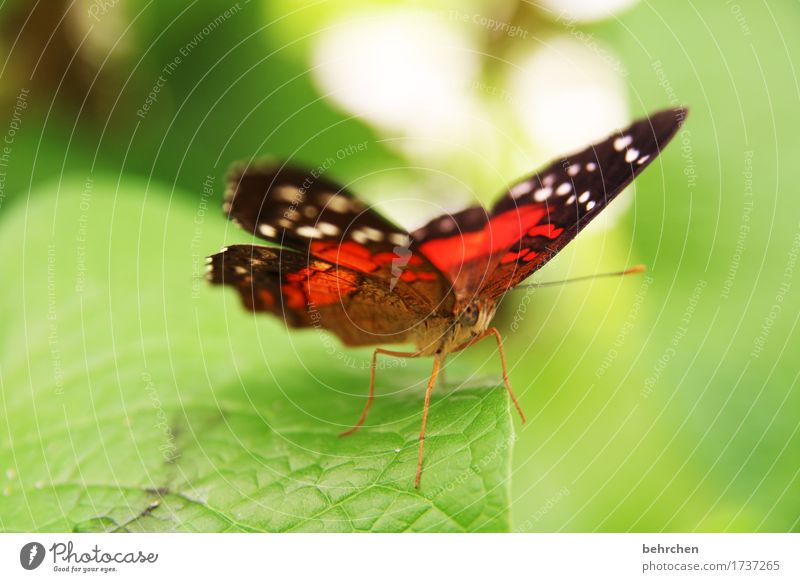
(668, 401)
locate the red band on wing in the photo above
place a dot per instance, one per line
(359, 258)
(347, 254)
(512, 256)
(267, 298)
(318, 284)
(294, 297)
(546, 229)
(501, 232)
(409, 276)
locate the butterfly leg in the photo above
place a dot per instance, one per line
(371, 394)
(443, 372)
(484, 335)
(436, 366)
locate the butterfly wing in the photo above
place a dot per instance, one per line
(302, 210)
(458, 245)
(313, 293)
(487, 252)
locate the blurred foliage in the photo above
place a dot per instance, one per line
(660, 403)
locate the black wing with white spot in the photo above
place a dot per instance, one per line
(574, 190)
(494, 250)
(307, 292)
(301, 210)
(294, 207)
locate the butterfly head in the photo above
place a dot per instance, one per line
(442, 335)
(473, 318)
(470, 314)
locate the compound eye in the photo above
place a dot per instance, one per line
(470, 314)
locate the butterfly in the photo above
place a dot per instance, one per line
(338, 265)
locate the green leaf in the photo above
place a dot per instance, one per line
(137, 398)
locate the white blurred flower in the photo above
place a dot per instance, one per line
(414, 198)
(568, 94)
(406, 71)
(586, 10)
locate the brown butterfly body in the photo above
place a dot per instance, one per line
(443, 335)
(343, 267)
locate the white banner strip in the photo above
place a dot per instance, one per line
(401, 557)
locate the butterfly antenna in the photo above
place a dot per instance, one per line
(632, 271)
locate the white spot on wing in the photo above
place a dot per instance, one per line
(521, 189)
(447, 224)
(591, 167)
(584, 197)
(337, 203)
(309, 232)
(631, 155)
(574, 169)
(590, 205)
(288, 193)
(622, 142)
(372, 233)
(399, 239)
(267, 230)
(542, 194)
(564, 188)
(643, 159)
(571, 199)
(328, 229)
